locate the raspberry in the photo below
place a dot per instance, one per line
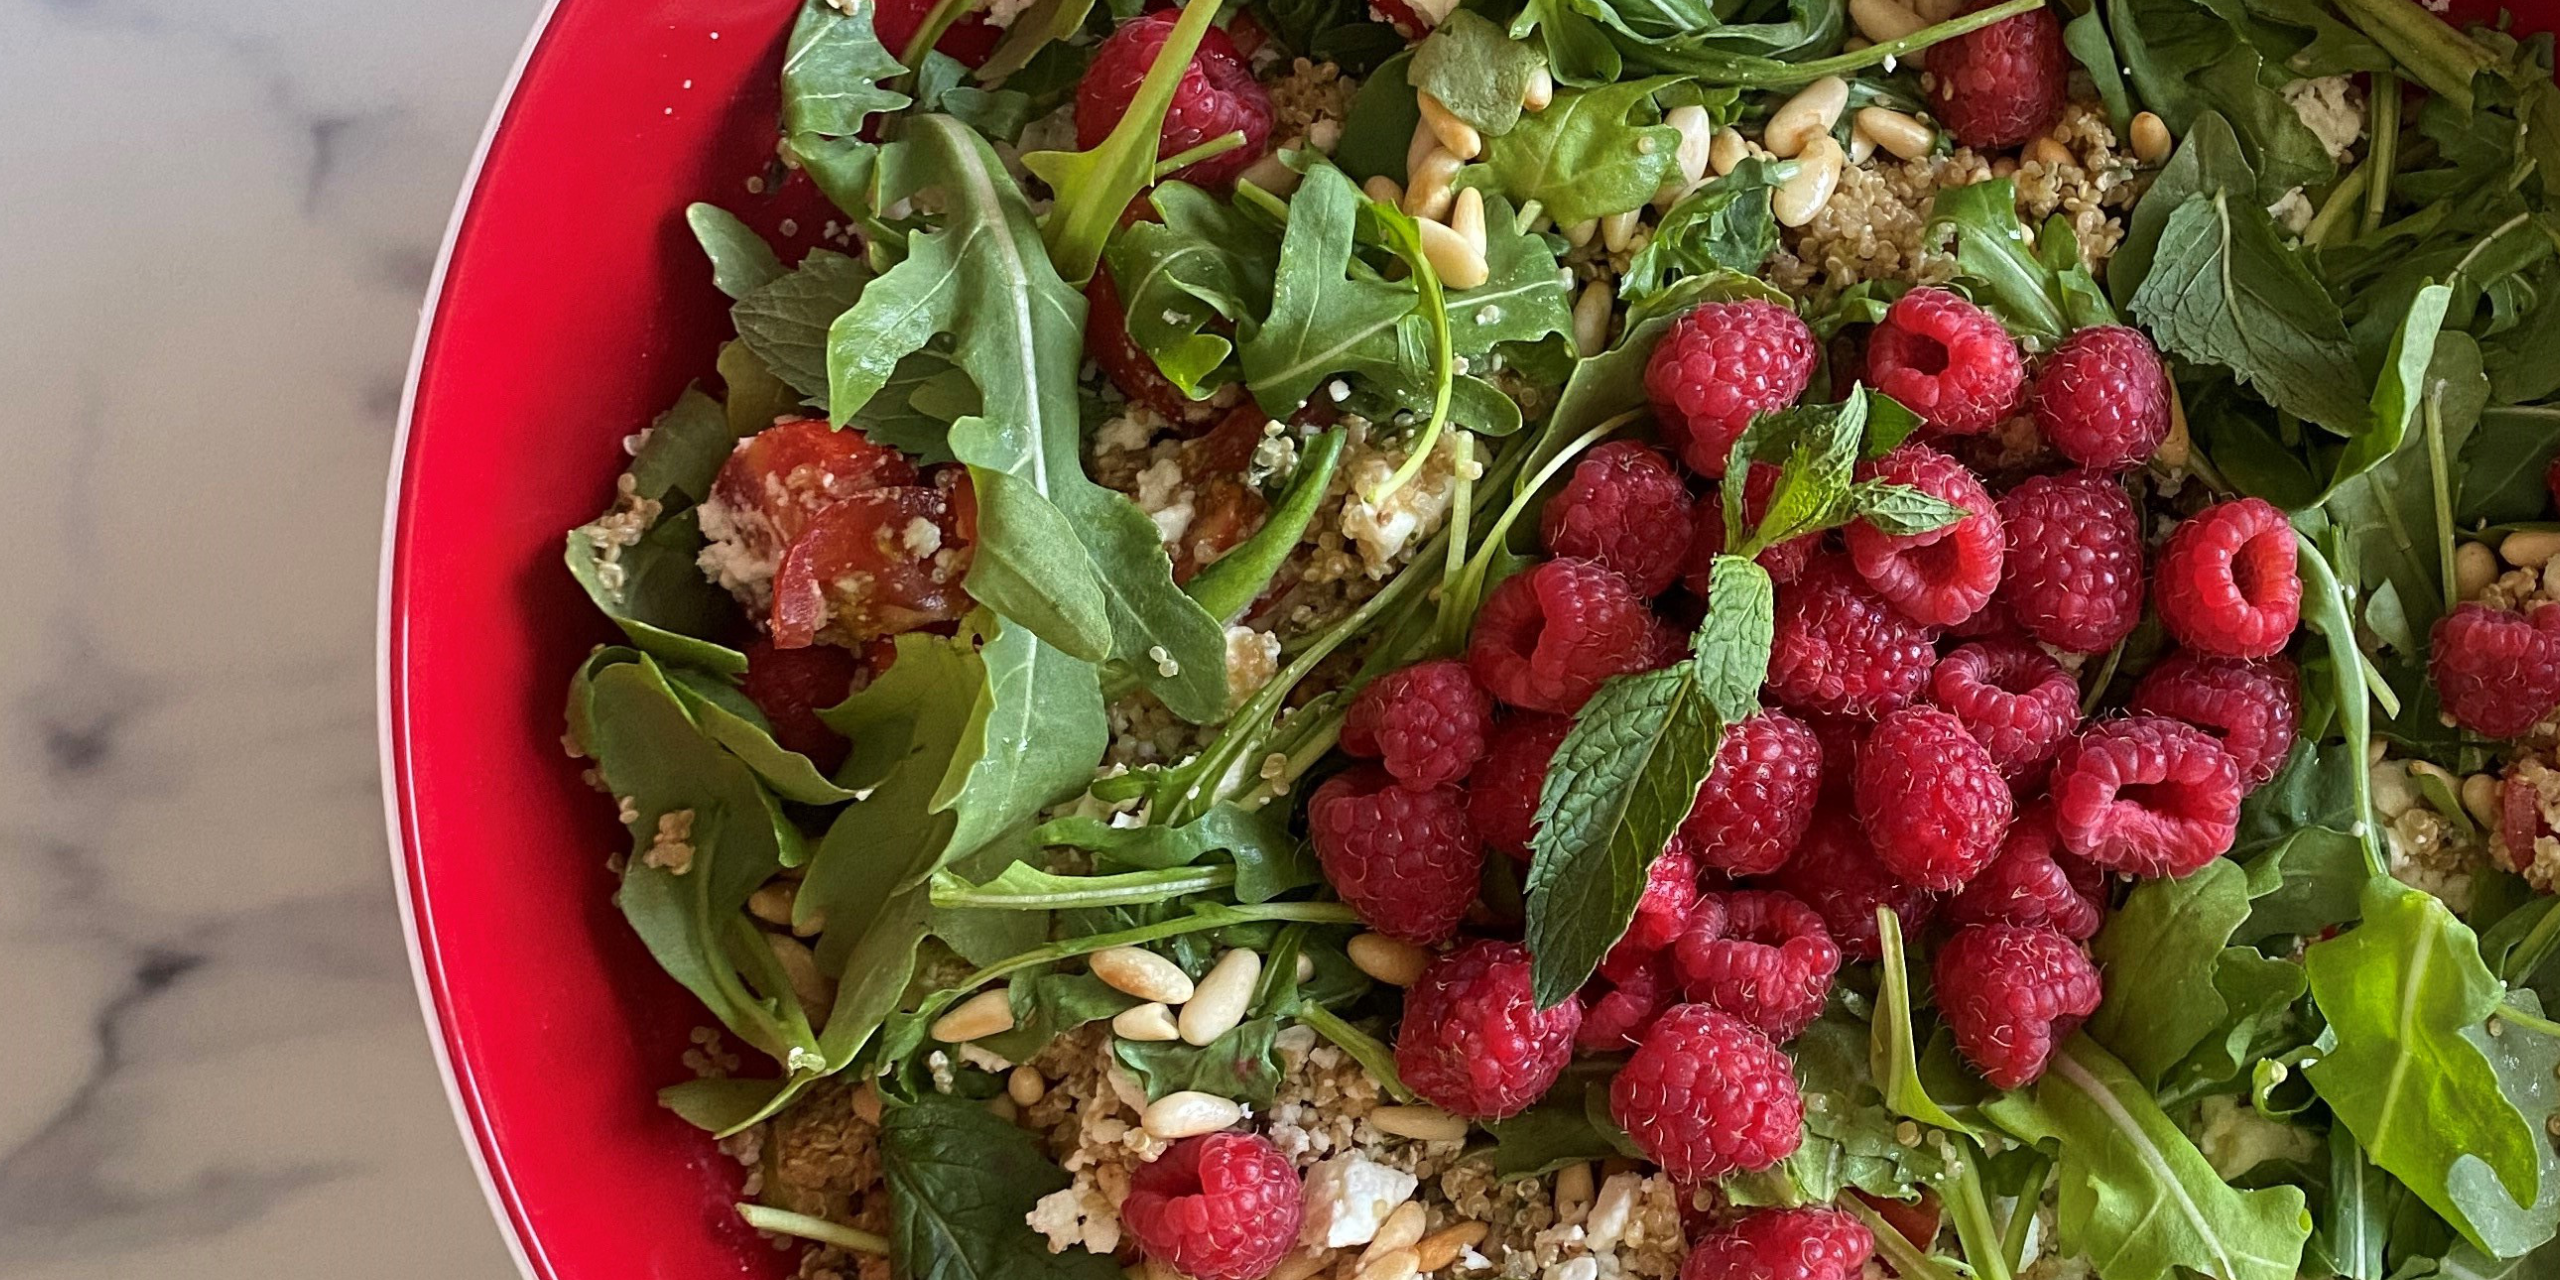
(1706, 539)
(1840, 649)
(2010, 995)
(1407, 861)
(2551, 480)
(1930, 798)
(1840, 736)
(2003, 84)
(2035, 883)
(790, 686)
(1761, 956)
(1502, 793)
(1217, 95)
(2251, 708)
(1619, 1008)
(1427, 721)
(1108, 344)
(1551, 634)
(2227, 585)
(1783, 1244)
(1473, 1042)
(1705, 1096)
(2102, 398)
(1758, 798)
(1615, 509)
(2013, 698)
(1717, 365)
(2497, 673)
(1946, 575)
(2074, 571)
(1218, 1206)
(1994, 620)
(1947, 360)
(2147, 795)
(1836, 872)
(1670, 897)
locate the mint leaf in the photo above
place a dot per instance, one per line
(2208, 159)
(1591, 153)
(1476, 70)
(2224, 290)
(1900, 510)
(1815, 447)
(1731, 649)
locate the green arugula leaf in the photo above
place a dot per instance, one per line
(1476, 70)
(1379, 128)
(2528, 1067)
(1578, 50)
(1893, 1058)
(1324, 321)
(2159, 952)
(2503, 462)
(1336, 31)
(756, 399)
(1851, 1138)
(1591, 153)
(734, 721)
(1034, 734)
(2258, 994)
(832, 70)
(2086, 38)
(650, 586)
(741, 262)
(784, 322)
(1023, 887)
(961, 1184)
(1094, 187)
(945, 84)
(1049, 1005)
(1724, 225)
(2397, 396)
(2400, 512)
(682, 450)
(1570, 1125)
(2224, 290)
(1231, 583)
(2037, 294)
(1206, 261)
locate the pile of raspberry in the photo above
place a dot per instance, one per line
(1922, 745)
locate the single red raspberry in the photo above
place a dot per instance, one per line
(1930, 798)
(1219, 1206)
(2074, 571)
(2146, 795)
(1994, 620)
(1706, 540)
(1947, 360)
(2251, 708)
(790, 686)
(1946, 575)
(2013, 698)
(2497, 673)
(1706, 1095)
(2035, 883)
(1761, 956)
(1502, 792)
(2226, 580)
(2551, 480)
(1550, 635)
(1427, 721)
(1217, 96)
(1670, 895)
(1840, 650)
(1783, 1244)
(1837, 873)
(1719, 364)
(1616, 509)
(1622, 1002)
(1473, 1042)
(2102, 398)
(2010, 995)
(2003, 84)
(1407, 861)
(1752, 810)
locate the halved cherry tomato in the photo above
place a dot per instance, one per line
(780, 477)
(791, 685)
(1917, 1221)
(971, 39)
(2523, 825)
(1401, 16)
(878, 563)
(1224, 509)
(1130, 368)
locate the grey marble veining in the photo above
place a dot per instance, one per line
(215, 225)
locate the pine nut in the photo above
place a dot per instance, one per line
(2049, 153)
(1026, 1085)
(1860, 145)
(2474, 568)
(1460, 265)
(1402, 1230)
(1697, 140)
(1611, 1213)
(1580, 233)
(1901, 134)
(1004, 1108)
(1457, 135)
(1466, 217)
(1188, 1113)
(2481, 799)
(1802, 196)
(1441, 1248)
(1384, 190)
(2004, 167)
(1272, 174)
(1540, 91)
(1402, 1264)
(1884, 21)
(1810, 113)
(1394, 961)
(1422, 1124)
(1421, 144)
(772, 902)
(2392, 794)
(866, 1102)
(1573, 1192)
(1726, 150)
(1220, 1002)
(2530, 548)
(984, 1014)
(1430, 194)
(815, 991)
(2150, 138)
(1590, 338)
(1618, 230)
(1145, 1023)
(1302, 1265)
(1142, 973)
(2374, 751)
(1306, 968)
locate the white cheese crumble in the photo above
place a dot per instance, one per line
(1348, 1196)
(738, 552)
(1382, 530)
(2328, 107)
(1166, 498)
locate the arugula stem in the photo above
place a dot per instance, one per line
(1444, 368)
(1217, 146)
(2528, 1021)
(2325, 608)
(2438, 473)
(2533, 949)
(1127, 889)
(783, 1222)
(1469, 587)
(1363, 1047)
(2382, 155)
(937, 22)
(2384, 695)
(1984, 1249)
(1906, 1259)
(2106, 676)
(2347, 197)
(1462, 521)
(1781, 75)
(1204, 917)
(2022, 1217)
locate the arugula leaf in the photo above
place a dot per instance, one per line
(1476, 70)
(2086, 39)
(2400, 513)
(945, 84)
(1850, 1136)
(2159, 951)
(1336, 31)
(2224, 290)
(1379, 127)
(734, 721)
(1570, 1125)
(1591, 153)
(1094, 187)
(1230, 584)
(1205, 261)
(1724, 225)
(1034, 733)
(2503, 462)
(2396, 397)
(741, 262)
(756, 399)
(1323, 321)
(2038, 293)
(2528, 1067)
(831, 72)
(961, 1184)
(784, 322)
(1242, 1064)
(1025, 887)
(1578, 51)
(652, 589)
(1049, 1005)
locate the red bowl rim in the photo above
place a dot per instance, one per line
(461, 1093)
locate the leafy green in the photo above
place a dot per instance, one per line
(961, 1184)
(2208, 160)
(741, 262)
(1591, 153)
(2400, 514)
(1206, 261)
(2159, 951)
(2086, 39)
(2503, 462)
(756, 399)
(1893, 1060)
(2035, 284)
(1476, 70)
(1230, 584)
(1048, 1005)
(1724, 225)
(1241, 1064)
(1578, 51)
(1336, 31)
(651, 588)
(1268, 859)
(2223, 290)
(1851, 1137)
(1379, 128)
(1571, 1124)
(682, 450)
(1732, 660)
(734, 721)
(832, 70)
(1094, 187)
(785, 321)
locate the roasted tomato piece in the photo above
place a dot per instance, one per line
(792, 685)
(878, 563)
(1224, 509)
(780, 477)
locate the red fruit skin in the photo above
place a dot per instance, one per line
(2551, 481)
(1837, 873)
(1948, 361)
(1670, 897)
(1717, 365)
(2102, 398)
(1619, 1007)
(1761, 956)
(1401, 16)
(777, 480)
(2035, 883)
(1930, 798)
(1706, 539)
(2003, 84)
(1614, 510)
(858, 570)
(1705, 1095)
(1108, 344)
(1217, 95)
(2013, 698)
(2520, 823)
(790, 686)
(1427, 721)
(2497, 673)
(1783, 1244)
(2186, 802)
(1550, 635)
(2226, 582)
(2073, 577)
(1224, 509)
(1759, 797)
(1218, 1206)
(1840, 650)
(1473, 1042)
(970, 39)
(1944, 576)
(2010, 995)
(1407, 861)
(2252, 708)
(1502, 791)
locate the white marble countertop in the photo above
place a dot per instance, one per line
(216, 222)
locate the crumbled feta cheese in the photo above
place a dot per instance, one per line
(1076, 1216)
(921, 538)
(2329, 108)
(2292, 211)
(985, 1059)
(738, 552)
(1128, 432)
(1384, 529)
(1166, 498)
(1348, 1196)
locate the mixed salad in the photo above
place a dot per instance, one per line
(1588, 638)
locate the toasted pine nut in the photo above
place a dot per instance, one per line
(1884, 20)
(1142, 973)
(2004, 166)
(1540, 91)
(1590, 338)
(984, 1014)
(1430, 194)
(1461, 265)
(1802, 196)
(1146, 1022)
(2150, 138)
(1402, 1230)
(2374, 751)
(1302, 1265)
(1422, 1124)
(1384, 190)
(2474, 568)
(1618, 230)
(772, 902)
(2481, 799)
(1272, 174)
(2530, 548)
(1466, 217)
(1401, 1264)
(1580, 233)
(1306, 967)
(1219, 1004)
(2049, 153)
(1442, 1247)
(1394, 961)
(1936, 11)
(1726, 149)
(1457, 135)
(1026, 1086)
(2392, 794)
(1896, 132)
(1860, 145)
(1573, 1192)
(1188, 1113)
(1810, 113)
(1697, 140)
(866, 1102)
(1423, 141)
